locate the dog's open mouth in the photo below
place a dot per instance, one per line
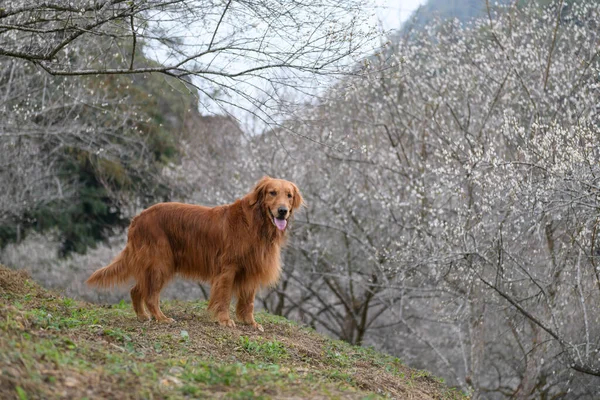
(280, 223)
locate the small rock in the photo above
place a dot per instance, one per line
(169, 381)
(176, 371)
(12, 372)
(71, 382)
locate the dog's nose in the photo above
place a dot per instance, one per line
(282, 211)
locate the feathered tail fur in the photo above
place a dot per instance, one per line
(114, 274)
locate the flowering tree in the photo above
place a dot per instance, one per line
(453, 203)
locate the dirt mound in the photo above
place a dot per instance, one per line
(15, 282)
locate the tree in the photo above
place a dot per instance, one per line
(255, 50)
(116, 81)
(463, 173)
(81, 154)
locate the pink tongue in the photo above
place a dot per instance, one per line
(280, 223)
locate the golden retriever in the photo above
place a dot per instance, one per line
(234, 247)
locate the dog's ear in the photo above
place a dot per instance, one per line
(298, 200)
(258, 193)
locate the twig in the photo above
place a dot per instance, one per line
(558, 14)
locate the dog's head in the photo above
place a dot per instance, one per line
(277, 198)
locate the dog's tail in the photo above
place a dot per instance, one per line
(114, 274)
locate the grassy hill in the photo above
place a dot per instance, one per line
(56, 347)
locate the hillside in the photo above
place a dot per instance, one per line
(463, 10)
(56, 347)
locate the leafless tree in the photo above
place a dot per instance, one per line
(240, 54)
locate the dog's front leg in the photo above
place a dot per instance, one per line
(245, 306)
(220, 296)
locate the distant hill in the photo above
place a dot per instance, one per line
(464, 10)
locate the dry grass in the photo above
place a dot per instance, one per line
(55, 347)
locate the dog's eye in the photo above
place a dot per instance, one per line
(273, 193)
(289, 195)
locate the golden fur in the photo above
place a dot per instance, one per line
(234, 247)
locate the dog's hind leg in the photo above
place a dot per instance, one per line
(155, 281)
(138, 303)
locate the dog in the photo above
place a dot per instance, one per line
(234, 247)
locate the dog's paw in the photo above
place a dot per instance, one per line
(144, 318)
(258, 327)
(166, 321)
(227, 322)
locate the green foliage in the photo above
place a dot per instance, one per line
(90, 218)
(117, 334)
(274, 319)
(21, 393)
(103, 174)
(272, 351)
(51, 319)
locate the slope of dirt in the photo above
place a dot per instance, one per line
(56, 347)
